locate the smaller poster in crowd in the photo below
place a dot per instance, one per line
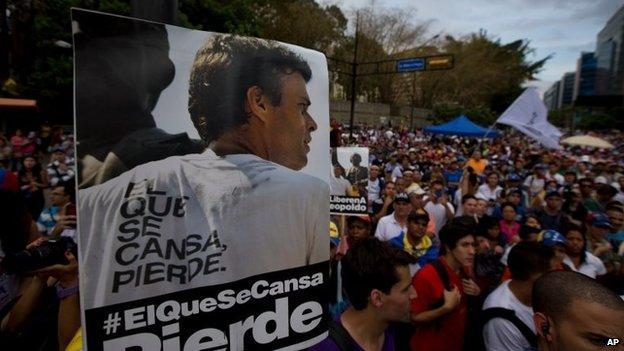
(348, 181)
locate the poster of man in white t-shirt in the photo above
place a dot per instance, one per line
(203, 204)
(349, 180)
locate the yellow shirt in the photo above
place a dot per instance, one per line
(76, 343)
(419, 249)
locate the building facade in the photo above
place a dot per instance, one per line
(585, 79)
(551, 96)
(610, 56)
(566, 89)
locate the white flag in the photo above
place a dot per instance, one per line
(528, 115)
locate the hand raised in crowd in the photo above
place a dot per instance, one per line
(470, 287)
(451, 299)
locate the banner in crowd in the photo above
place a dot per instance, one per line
(203, 188)
(528, 114)
(348, 181)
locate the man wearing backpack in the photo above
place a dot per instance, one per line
(507, 314)
(377, 282)
(440, 310)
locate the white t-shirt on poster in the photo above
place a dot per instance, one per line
(264, 217)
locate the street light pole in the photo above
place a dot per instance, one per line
(354, 76)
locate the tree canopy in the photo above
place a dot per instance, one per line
(487, 77)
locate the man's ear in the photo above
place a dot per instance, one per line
(543, 326)
(257, 104)
(376, 298)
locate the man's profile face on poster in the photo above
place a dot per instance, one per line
(290, 126)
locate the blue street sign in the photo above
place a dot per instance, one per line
(409, 65)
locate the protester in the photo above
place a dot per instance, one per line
(551, 216)
(578, 258)
(507, 312)
(377, 281)
(509, 227)
(487, 266)
(440, 308)
(416, 242)
(490, 191)
(437, 204)
(574, 312)
(60, 196)
(394, 224)
(468, 206)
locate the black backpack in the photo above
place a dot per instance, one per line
(509, 315)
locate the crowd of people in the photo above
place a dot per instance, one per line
(482, 221)
(468, 244)
(38, 289)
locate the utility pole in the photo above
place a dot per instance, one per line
(354, 76)
(411, 125)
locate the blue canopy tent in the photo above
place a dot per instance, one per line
(464, 127)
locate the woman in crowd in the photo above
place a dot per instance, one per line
(509, 227)
(574, 208)
(578, 258)
(32, 180)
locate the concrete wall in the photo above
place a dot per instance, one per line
(376, 113)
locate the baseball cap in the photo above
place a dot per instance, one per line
(513, 177)
(600, 220)
(416, 190)
(401, 197)
(552, 237)
(365, 219)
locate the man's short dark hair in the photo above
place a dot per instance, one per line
(454, 230)
(418, 217)
(356, 158)
(508, 204)
(528, 258)
(526, 230)
(554, 293)
(69, 189)
(225, 68)
(371, 264)
(485, 224)
(606, 190)
(467, 197)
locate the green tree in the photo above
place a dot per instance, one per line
(304, 23)
(236, 16)
(487, 73)
(41, 55)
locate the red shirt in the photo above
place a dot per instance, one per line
(446, 333)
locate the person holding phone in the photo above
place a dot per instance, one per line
(490, 191)
(438, 205)
(66, 217)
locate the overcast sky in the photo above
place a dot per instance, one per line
(563, 28)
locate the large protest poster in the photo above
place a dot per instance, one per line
(348, 181)
(203, 188)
